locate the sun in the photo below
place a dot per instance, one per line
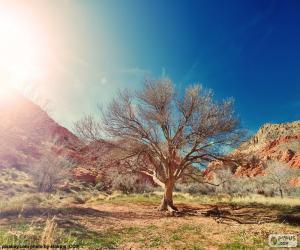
(20, 51)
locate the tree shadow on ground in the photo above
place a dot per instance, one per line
(47, 212)
(222, 213)
(80, 211)
(247, 214)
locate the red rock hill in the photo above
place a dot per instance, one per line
(25, 128)
(280, 142)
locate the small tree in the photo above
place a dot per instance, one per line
(226, 180)
(49, 171)
(165, 135)
(279, 175)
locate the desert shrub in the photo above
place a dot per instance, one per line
(225, 181)
(101, 186)
(195, 188)
(49, 171)
(17, 203)
(129, 183)
(81, 198)
(243, 185)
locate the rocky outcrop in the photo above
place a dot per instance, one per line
(272, 133)
(279, 142)
(85, 174)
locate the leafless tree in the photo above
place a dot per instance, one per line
(88, 128)
(226, 179)
(279, 175)
(49, 171)
(163, 134)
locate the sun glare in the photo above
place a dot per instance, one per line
(19, 50)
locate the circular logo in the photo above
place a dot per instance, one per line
(273, 240)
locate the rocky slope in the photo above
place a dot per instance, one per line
(279, 142)
(25, 131)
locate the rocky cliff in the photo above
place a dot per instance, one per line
(279, 142)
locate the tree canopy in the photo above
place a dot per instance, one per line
(166, 134)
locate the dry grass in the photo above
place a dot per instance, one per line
(259, 199)
(49, 231)
(132, 222)
(155, 197)
(96, 220)
(14, 182)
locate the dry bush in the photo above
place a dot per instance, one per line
(80, 199)
(195, 188)
(50, 171)
(275, 181)
(226, 180)
(234, 185)
(128, 183)
(278, 176)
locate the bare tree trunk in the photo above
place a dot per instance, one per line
(281, 193)
(167, 200)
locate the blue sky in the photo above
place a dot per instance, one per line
(248, 50)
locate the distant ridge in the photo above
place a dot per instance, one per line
(25, 128)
